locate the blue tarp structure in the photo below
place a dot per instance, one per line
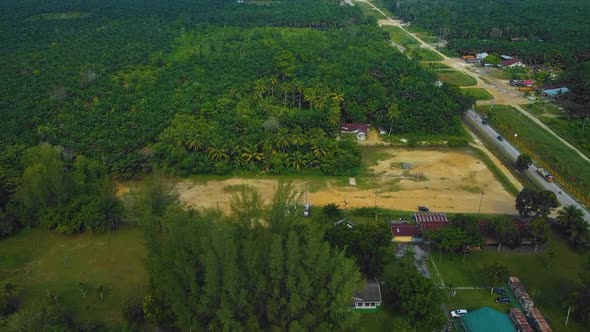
(487, 320)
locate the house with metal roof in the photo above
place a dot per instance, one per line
(519, 320)
(555, 92)
(368, 297)
(431, 220)
(359, 130)
(404, 232)
(487, 320)
(538, 321)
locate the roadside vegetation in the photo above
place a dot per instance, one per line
(570, 165)
(453, 76)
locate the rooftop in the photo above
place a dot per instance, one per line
(487, 320)
(354, 127)
(428, 217)
(371, 292)
(404, 230)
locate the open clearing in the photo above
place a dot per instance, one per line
(452, 181)
(37, 261)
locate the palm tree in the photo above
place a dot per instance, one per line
(297, 137)
(282, 139)
(218, 153)
(392, 115)
(320, 147)
(250, 153)
(296, 160)
(568, 215)
(193, 143)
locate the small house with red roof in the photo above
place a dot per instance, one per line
(403, 232)
(510, 63)
(359, 130)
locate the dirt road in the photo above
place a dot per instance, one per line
(450, 182)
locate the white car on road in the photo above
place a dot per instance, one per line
(458, 313)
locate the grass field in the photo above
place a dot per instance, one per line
(568, 163)
(572, 130)
(455, 77)
(548, 281)
(434, 65)
(37, 261)
(401, 37)
(424, 54)
(478, 93)
(423, 34)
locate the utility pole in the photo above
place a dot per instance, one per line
(480, 201)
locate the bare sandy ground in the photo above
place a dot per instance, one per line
(451, 182)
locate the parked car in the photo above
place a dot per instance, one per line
(484, 122)
(503, 300)
(458, 313)
(500, 291)
(500, 138)
(423, 209)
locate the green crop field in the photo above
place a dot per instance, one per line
(562, 159)
(38, 261)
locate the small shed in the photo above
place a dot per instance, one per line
(407, 165)
(368, 297)
(519, 320)
(523, 298)
(514, 283)
(487, 320)
(538, 321)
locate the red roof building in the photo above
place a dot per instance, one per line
(361, 130)
(431, 220)
(528, 82)
(538, 320)
(519, 320)
(404, 230)
(514, 62)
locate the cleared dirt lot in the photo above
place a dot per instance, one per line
(450, 182)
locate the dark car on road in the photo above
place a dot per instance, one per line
(500, 138)
(500, 291)
(503, 300)
(484, 122)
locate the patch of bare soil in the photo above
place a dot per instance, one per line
(443, 181)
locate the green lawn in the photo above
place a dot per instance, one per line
(423, 34)
(572, 130)
(401, 37)
(478, 93)
(424, 54)
(381, 320)
(568, 163)
(455, 77)
(548, 283)
(37, 261)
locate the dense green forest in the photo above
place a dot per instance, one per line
(544, 31)
(105, 79)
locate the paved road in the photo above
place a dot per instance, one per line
(491, 135)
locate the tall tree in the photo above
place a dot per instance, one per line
(495, 273)
(539, 231)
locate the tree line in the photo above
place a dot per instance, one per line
(536, 32)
